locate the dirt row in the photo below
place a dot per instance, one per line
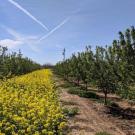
(93, 116)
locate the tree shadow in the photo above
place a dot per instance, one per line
(124, 113)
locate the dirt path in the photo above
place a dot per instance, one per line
(88, 121)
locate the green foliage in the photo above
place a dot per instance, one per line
(74, 90)
(128, 93)
(110, 68)
(15, 64)
(82, 93)
(88, 94)
(70, 111)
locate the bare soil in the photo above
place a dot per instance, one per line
(93, 116)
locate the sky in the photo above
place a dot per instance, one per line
(41, 29)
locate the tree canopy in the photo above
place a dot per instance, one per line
(15, 64)
(110, 68)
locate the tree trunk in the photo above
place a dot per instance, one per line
(66, 77)
(78, 82)
(86, 85)
(105, 93)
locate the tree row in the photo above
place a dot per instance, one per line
(110, 68)
(15, 64)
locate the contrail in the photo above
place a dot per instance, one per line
(28, 14)
(53, 30)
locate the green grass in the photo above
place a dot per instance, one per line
(70, 111)
(101, 100)
(83, 93)
(88, 94)
(77, 90)
(68, 103)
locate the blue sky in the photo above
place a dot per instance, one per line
(42, 28)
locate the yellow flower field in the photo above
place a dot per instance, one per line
(29, 105)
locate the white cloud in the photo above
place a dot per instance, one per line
(10, 43)
(19, 39)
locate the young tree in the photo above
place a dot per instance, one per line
(104, 75)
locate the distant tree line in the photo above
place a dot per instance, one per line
(110, 68)
(48, 66)
(15, 64)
